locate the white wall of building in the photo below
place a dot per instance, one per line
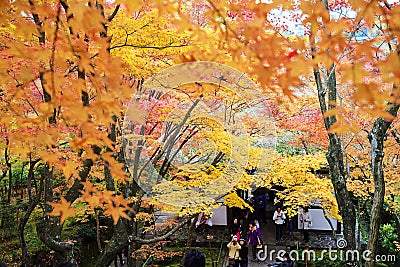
(318, 221)
(220, 216)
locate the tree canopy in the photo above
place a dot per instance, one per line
(101, 115)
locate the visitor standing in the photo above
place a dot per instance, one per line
(262, 202)
(254, 238)
(249, 214)
(243, 254)
(305, 223)
(253, 215)
(279, 219)
(203, 224)
(234, 250)
(236, 229)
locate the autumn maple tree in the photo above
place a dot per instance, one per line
(69, 74)
(347, 49)
(64, 85)
(328, 72)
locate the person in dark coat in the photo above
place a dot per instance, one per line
(250, 216)
(261, 202)
(243, 253)
(254, 203)
(194, 258)
(286, 261)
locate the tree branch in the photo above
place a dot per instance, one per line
(147, 47)
(396, 136)
(111, 17)
(163, 237)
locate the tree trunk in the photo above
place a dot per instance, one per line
(335, 156)
(132, 246)
(346, 206)
(117, 243)
(9, 182)
(376, 138)
(49, 229)
(190, 232)
(9, 169)
(21, 182)
(26, 259)
(98, 239)
(33, 202)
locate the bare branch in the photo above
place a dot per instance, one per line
(110, 18)
(147, 46)
(165, 236)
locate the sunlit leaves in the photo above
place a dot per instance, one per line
(302, 186)
(233, 200)
(73, 51)
(62, 209)
(141, 37)
(114, 205)
(61, 86)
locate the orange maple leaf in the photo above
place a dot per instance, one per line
(62, 209)
(115, 212)
(88, 186)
